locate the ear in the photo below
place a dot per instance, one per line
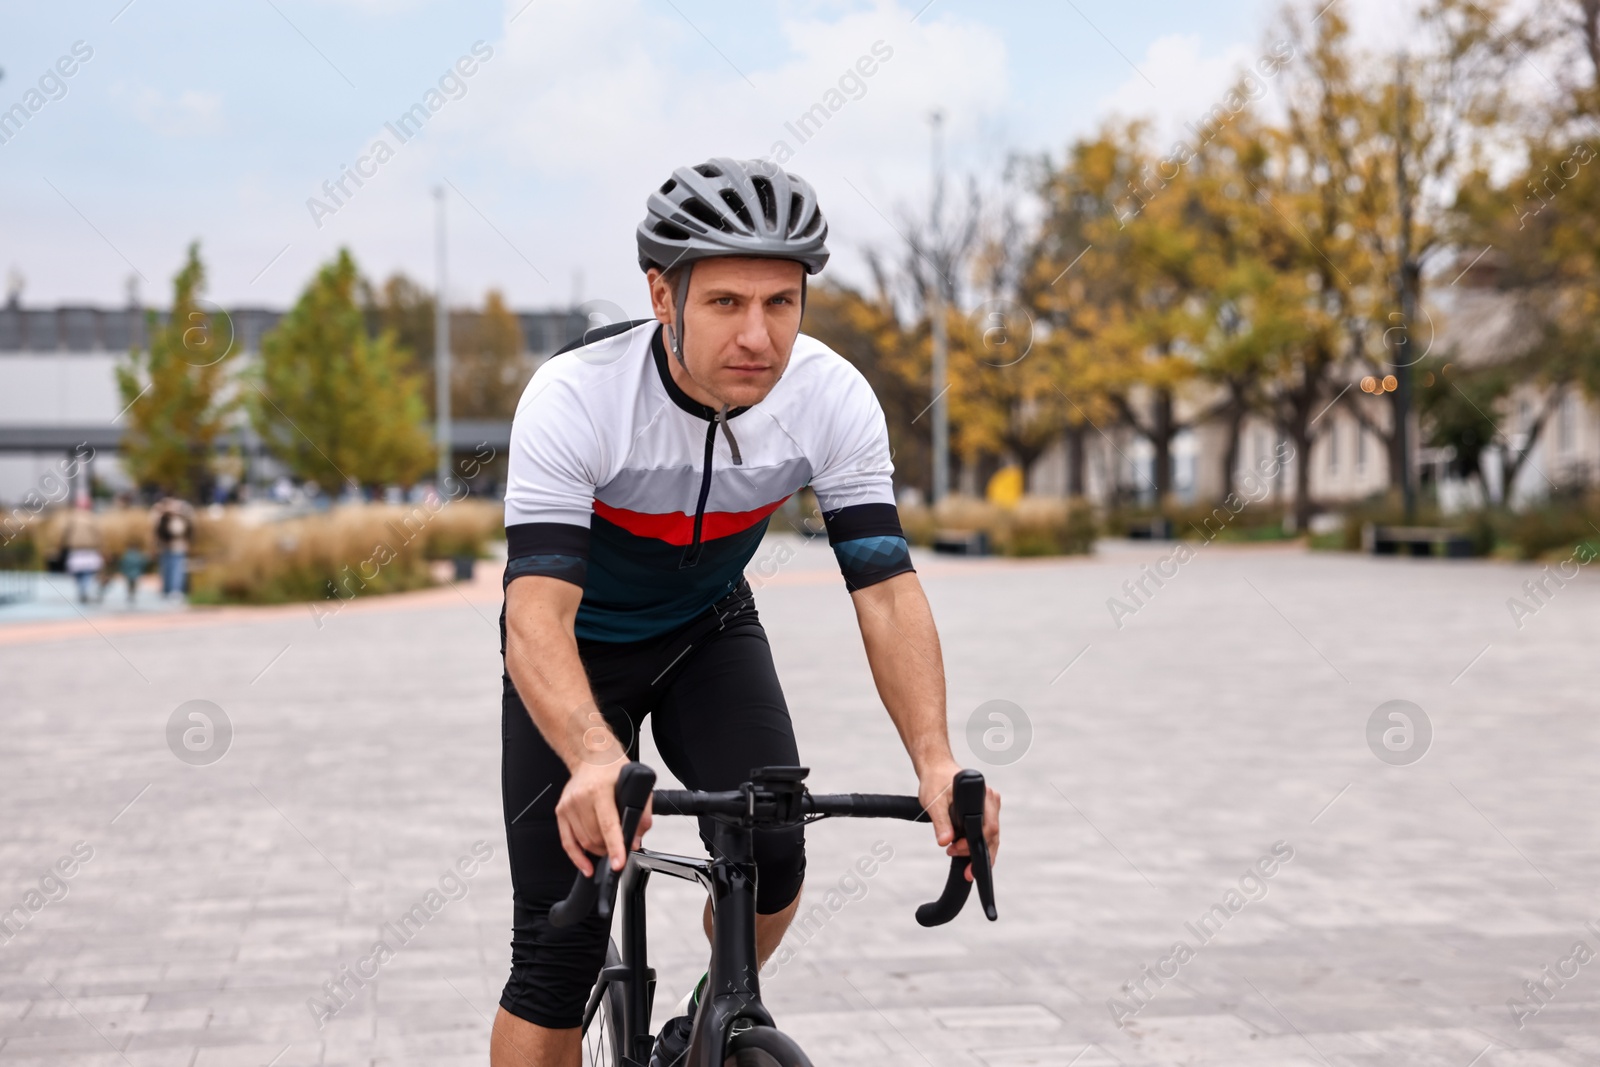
(660, 296)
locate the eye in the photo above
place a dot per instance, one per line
(725, 301)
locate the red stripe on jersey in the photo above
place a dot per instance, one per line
(677, 528)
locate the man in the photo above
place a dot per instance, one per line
(644, 466)
(173, 523)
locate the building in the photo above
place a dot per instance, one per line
(59, 397)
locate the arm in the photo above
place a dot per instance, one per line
(854, 484)
(553, 464)
(902, 648)
(542, 659)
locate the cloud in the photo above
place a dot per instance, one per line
(191, 113)
(1183, 82)
(593, 105)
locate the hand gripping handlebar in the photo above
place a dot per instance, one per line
(633, 793)
(967, 796)
(763, 807)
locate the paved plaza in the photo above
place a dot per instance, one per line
(1213, 853)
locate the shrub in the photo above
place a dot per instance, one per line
(1036, 526)
(349, 551)
(20, 553)
(1385, 510)
(1555, 527)
(464, 528)
(1258, 521)
(1041, 527)
(1551, 529)
(120, 529)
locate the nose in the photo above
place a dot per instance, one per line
(753, 334)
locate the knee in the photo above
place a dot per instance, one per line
(552, 969)
(780, 870)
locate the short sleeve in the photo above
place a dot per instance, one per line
(854, 485)
(855, 467)
(552, 470)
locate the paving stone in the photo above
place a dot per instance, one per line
(1229, 713)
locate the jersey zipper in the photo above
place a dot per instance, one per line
(691, 555)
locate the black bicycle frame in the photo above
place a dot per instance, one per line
(775, 796)
(733, 990)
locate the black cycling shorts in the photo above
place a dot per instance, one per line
(716, 711)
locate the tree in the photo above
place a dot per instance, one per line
(405, 308)
(866, 331)
(1425, 120)
(1543, 225)
(173, 392)
(1008, 374)
(333, 403)
(487, 370)
(1127, 274)
(1311, 224)
(1454, 403)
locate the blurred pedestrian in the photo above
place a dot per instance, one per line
(131, 564)
(173, 522)
(81, 542)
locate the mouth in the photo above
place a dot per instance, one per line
(748, 368)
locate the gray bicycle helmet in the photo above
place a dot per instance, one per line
(733, 207)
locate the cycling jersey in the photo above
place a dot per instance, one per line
(621, 483)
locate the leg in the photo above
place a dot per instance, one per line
(769, 929)
(722, 715)
(519, 1043)
(552, 970)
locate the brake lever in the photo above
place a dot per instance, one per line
(594, 893)
(966, 820)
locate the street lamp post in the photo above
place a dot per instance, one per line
(941, 411)
(1408, 279)
(441, 353)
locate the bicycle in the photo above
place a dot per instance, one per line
(732, 1028)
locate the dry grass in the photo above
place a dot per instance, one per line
(1036, 526)
(464, 528)
(120, 529)
(349, 551)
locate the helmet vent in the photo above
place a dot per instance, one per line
(670, 231)
(769, 201)
(736, 203)
(797, 206)
(707, 170)
(671, 184)
(700, 211)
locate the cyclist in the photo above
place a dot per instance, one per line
(644, 467)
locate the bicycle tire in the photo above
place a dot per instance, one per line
(762, 1046)
(602, 1040)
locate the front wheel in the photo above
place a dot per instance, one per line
(602, 1031)
(762, 1046)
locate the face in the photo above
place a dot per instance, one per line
(741, 318)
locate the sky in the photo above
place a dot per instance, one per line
(550, 121)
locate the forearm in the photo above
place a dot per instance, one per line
(542, 659)
(902, 648)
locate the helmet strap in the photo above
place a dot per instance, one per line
(680, 299)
